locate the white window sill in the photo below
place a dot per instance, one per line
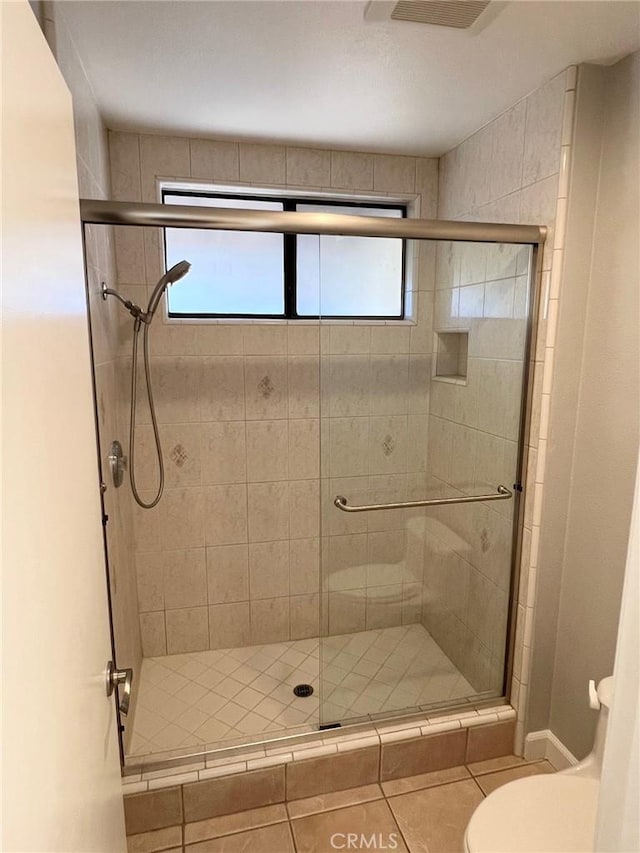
(244, 321)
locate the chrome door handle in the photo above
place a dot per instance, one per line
(122, 679)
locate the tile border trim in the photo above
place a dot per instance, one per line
(323, 744)
(550, 298)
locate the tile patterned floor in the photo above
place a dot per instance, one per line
(207, 698)
(419, 814)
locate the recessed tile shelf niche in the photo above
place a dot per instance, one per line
(451, 351)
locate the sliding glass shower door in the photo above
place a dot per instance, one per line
(335, 541)
(416, 599)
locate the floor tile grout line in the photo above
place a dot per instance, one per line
(398, 827)
(292, 836)
(503, 769)
(479, 787)
(343, 806)
(236, 831)
(426, 788)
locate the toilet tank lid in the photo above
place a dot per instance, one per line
(605, 691)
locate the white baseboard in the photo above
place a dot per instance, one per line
(545, 744)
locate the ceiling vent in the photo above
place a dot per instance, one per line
(443, 13)
(456, 14)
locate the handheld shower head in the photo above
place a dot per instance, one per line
(172, 275)
(177, 271)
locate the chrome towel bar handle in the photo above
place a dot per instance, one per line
(502, 493)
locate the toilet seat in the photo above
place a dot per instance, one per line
(539, 814)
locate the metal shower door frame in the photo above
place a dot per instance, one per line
(140, 214)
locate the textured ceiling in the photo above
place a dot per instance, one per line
(308, 72)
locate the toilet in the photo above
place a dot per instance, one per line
(547, 813)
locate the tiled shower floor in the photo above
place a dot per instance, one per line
(214, 698)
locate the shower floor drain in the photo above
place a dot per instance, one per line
(303, 690)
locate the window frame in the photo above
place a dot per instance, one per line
(289, 256)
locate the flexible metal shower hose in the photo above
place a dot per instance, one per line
(132, 419)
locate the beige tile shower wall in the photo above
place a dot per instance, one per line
(515, 169)
(94, 182)
(232, 555)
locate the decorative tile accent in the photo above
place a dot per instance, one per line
(484, 540)
(266, 387)
(179, 455)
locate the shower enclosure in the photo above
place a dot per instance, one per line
(338, 537)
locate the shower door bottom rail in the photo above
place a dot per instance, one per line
(502, 493)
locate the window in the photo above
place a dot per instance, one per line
(287, 276)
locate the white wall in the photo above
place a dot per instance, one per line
(60, 762)
(604, 437)
(94, 181)
(618, 825)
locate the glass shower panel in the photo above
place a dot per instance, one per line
(416, 600)
(247, 584)
(215, 591)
